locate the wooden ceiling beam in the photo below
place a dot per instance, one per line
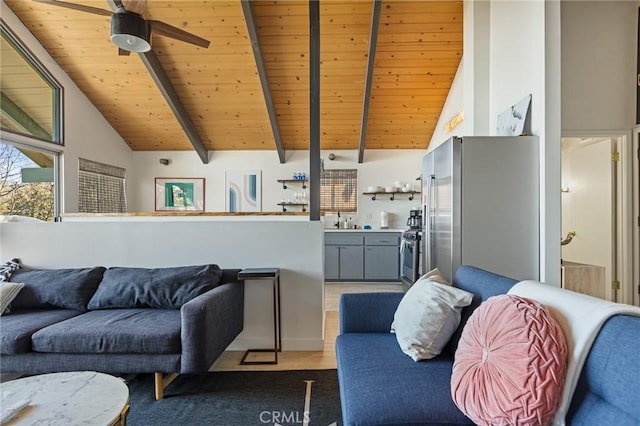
(249, 17)
(159, 76)
(373, 41)
(314, 110)
(151, 62)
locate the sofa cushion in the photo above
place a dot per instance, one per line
(427, 316)
(483, 284)
(160, 288)
(510, 364)
(60, 288)
(379, 385)
(609, 386)
(139, 331)
(18, 327)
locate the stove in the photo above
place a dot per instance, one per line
(410, 258)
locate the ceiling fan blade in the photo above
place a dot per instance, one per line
(123, 52)
(135, 6)
(161, 28)
(80, 7)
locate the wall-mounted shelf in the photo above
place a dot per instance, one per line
(392, 194)
(284, 206)
(284, 182)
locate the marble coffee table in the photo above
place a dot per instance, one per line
(73, 398)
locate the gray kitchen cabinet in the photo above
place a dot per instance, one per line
(382, 257)
(343, 257)
(381, 263)
(331, 262)
(351, 263)
(361, 256)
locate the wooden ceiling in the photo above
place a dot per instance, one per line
(418, 50)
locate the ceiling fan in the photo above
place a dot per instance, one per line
(130, 32)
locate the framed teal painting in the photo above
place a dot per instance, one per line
(179, 194)
(243, 191)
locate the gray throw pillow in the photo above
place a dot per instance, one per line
(428, 315)
(8, 292)
(59, 288)
(161, 288)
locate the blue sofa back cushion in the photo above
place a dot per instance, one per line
(608, 391)
(160, 288)
(483, 284)
(59, 288)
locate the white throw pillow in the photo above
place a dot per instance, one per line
(435, 276)
(8, 292)
(428, 315)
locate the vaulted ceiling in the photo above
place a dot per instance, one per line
(418, 50)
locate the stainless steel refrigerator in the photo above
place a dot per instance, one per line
(480, 199)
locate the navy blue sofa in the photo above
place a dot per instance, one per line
(61, 325)
(380, 385)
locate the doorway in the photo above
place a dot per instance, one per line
(596, 213)
(634, 289)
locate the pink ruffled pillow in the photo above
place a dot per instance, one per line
(510, 364)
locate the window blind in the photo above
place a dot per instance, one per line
(101, 188)
(339, 191)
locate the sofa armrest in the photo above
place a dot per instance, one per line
(210, 322)
(368, 312)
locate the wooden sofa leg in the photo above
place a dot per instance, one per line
(162, 383)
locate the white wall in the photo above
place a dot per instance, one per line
(599, 64)
(381, 167)
(452, 106)
(86, 133)
(477, 46)
(512, 49)
(294, 245)
(525, 58)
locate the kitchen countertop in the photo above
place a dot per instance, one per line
(363, 230)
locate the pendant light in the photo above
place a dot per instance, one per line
(129, 31)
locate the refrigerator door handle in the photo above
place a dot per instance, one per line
(428, 222)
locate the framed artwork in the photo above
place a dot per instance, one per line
(515, 121)
(243, 191)
(179, 194)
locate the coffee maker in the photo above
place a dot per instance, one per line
(415, 219)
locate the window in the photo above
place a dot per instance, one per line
(27, 182)
(339, 191)
(31, 99)
(100, 188)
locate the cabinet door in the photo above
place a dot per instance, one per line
(351, 263)
(381, 263)
(331, 262)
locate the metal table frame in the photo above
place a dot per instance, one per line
(272, 274)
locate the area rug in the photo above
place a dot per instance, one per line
(305, 397)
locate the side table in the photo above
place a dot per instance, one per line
(272, 274)
(71, 398)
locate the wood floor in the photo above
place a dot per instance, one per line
(293, 360)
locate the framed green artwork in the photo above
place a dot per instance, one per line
(179, 194)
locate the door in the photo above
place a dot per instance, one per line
(634, 291)
(381, 263)
(351, 263)
(442, 210)
(589, 200)
(427, 178)
(331, 262)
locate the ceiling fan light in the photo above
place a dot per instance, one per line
(129, 31)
